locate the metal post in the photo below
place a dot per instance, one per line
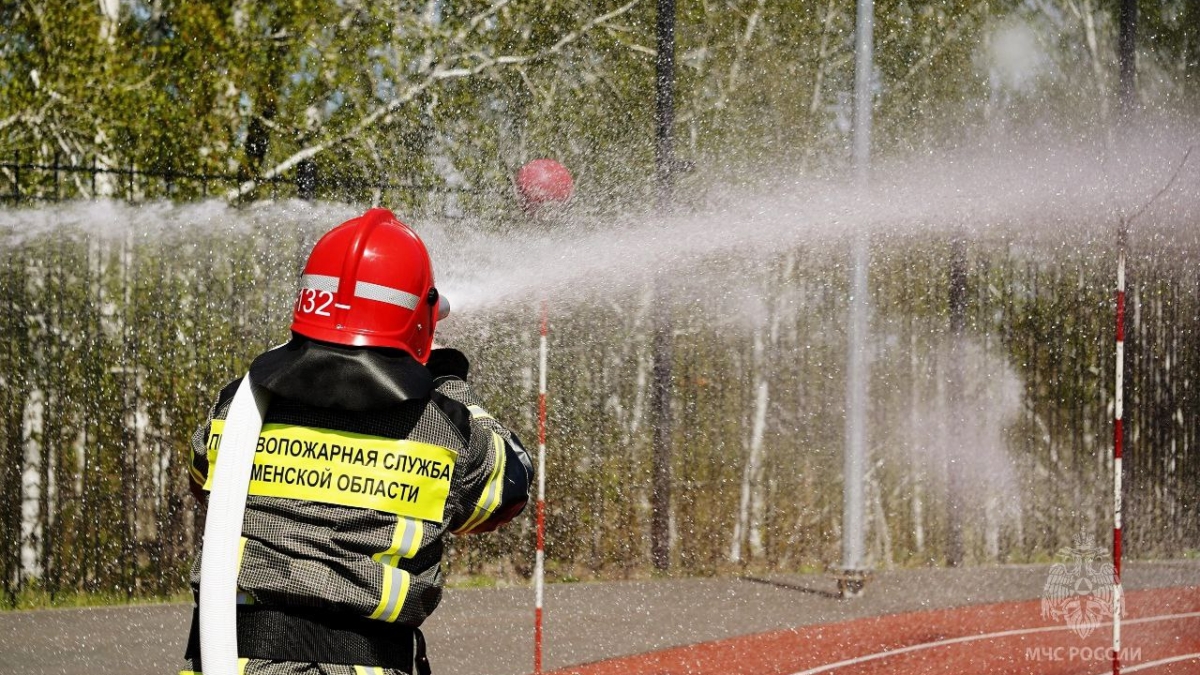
(306, 180)
(664, 100)
(955, 392)
(864, 64)
(1127, 58)
(539, 570)
(853, 575)
(1118, 443)
(660, 492)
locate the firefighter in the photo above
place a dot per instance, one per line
(373, 448)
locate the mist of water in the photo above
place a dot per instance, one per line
(1067, 194)
(967, 428)
(1073, 193)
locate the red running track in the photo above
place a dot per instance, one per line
(1160, 633)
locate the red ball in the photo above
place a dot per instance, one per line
(544, 181)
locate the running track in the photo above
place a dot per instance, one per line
(1161, 631)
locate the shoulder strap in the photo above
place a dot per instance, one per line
(455, 411)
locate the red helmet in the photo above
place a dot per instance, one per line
(544, 181)
(369, 282)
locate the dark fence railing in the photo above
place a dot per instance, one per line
(26, 182)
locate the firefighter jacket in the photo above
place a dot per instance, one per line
(366, 460)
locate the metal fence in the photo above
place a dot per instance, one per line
(24, 182)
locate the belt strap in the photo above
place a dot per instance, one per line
(322, 637)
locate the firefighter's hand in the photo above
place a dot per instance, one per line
(444, 362)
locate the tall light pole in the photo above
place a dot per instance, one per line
(853, 576)
(955, 502)
(1127, 59)
(664, 162)
(664, 101)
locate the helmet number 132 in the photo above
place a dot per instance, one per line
(312, 301)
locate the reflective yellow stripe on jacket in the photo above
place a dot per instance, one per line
(395, 590)
(406, 541)
(243, 598)
(490, 498)
(241, 669)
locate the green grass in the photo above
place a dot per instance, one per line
(40, 598)
(473, 581)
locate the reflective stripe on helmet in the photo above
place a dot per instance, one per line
(319, 282)
(392, 296)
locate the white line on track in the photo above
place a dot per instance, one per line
(982, 636)
(1154, 664)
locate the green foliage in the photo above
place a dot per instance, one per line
(459, 94)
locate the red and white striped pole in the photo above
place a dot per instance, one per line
(1118, 441)
(539, 569)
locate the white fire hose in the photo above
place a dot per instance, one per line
(223, 529)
